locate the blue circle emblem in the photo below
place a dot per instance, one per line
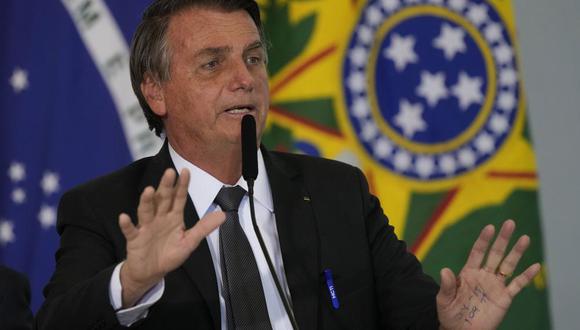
(431, 86)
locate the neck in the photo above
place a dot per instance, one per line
(223, 163)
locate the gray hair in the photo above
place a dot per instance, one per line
(150, 51)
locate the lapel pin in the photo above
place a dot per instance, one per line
(306, 199)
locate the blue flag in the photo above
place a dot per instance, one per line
(68, 114)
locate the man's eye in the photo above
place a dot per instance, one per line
(254, 60)
(211, 64)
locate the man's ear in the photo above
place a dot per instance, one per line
(153, 93)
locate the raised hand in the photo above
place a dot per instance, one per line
(480, 297)
(160, 243)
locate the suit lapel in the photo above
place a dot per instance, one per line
(298, 238)
(199, 266)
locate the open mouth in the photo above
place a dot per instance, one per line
(242, 109)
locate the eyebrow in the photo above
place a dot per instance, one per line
(213, 51)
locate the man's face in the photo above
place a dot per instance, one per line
(218, 75)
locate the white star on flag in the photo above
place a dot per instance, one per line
(493, 32)
(401, 51)
(467, 158)
(19, 80)
(47, 216)
(49, 183)
(365, 34)
(6, 232)
(448, 164)
(358, 56)
(390, 5)
(451, 41)
(409, 118)
(16, 172)
(425, 166)
(504, 54)
(468, 90)
(506, 101)
(374, 16)
(458, 5)
(477, 14)
(18, 196)
(484, 143)
(402, 161)
(382, 148)
(356, 82)
(432, 87)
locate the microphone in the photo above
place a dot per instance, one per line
(249, 149)
(250, 173)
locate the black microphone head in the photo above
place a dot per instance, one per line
(249, 148)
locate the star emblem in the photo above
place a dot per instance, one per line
(356, 82)
(16, 172)
(374, 16)
(409, 118)
(402, 161)
(432, 87)
(458, 5)
(359, 56)
(425, 166)
(508, 77)
(492, 32)
(47, 216)
(498, 124)
(401, 51)
(477, 14)
(360, 107)
(504, 54)
(6, 232)
(451, 41)
(18, 196)
(382, 148)
(369, 130)
(506, 101)
(484, 143)
(19, 80)
(50, 183)
(468, 91)
(467, 158)
(390, 5)
(365, 34)
(448, 164)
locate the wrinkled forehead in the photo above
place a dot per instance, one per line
(201, 27)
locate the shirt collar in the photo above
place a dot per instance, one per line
(203, 187)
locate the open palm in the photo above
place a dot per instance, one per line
(480, 297)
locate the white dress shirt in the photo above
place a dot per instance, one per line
(203, 188)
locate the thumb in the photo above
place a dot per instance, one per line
(204, 227)
(448, 288)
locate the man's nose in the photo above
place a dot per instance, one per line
(242, 78)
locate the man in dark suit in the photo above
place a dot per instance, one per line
(14, 301)
(140, 247)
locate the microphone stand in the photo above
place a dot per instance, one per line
(250, 173)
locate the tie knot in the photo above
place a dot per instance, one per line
(229, 198)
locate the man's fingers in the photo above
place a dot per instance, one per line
(165, 192)
(448, 288)
(497, 251)
(479, 247)
(127, 227)
(509, 264)
(518, 283)
(204, 227)
(181, 191)
(146, 208)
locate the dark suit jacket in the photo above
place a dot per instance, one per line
(15, 311)
(326, 219)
